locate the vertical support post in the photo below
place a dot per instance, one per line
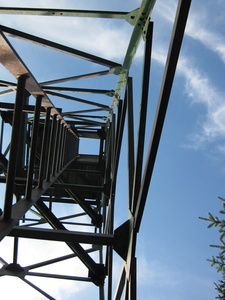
(126, 290)
(119, 112)
(33, 148)
(1, 137)
(16, 243)
(101, 144)
(101, 293)
(56, 142)
(110, 274)
(119, 135)
(15, 137)
(15, 250)
(59, 146)
(62, 147)
(45, 143)
(133, 280)
(28, 146)
(22, 140)
(65, 158)
(108, 155)
(51, 148)
(143, 114)
(130, 119)
(113, 144)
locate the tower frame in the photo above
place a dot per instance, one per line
(42, 165)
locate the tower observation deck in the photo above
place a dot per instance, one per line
(60, 153)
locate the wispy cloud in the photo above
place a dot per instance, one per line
(201, 90)
(200, 26)
(159, 279)
(199, 85)
(104, 37)
(155, 274)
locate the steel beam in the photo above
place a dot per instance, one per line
(44, 149)
(14, 64)
(57, 276)
(51, 148)
(77, 77)
(8, 84)
(169, 72)
(140, 22)
(64, 12)
(60, 148)
(59, 47)
(78, 90)
(119, 135)
(38, 289)
(26, 108)
(33, 148)
(130, 127)
(54, 260)
(96, 218)
(96, 270)
(106, 107)
(1, 135)
(20, 208)
(120, 285)
(62, 235)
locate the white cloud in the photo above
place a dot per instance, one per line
(200, 89)
(32, 251)
(166, 10)
(200, 26)
(199, 86)
(200, 29)
(103, 37)
(100, 37)
(109, 43)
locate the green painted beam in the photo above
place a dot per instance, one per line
(138, 31)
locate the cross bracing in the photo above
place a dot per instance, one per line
(43, 166)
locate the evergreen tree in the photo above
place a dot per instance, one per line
(219, 260)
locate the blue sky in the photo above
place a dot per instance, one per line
(189, 173)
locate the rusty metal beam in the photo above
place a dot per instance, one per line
(62, 235)
(59, 47)
(14, 64)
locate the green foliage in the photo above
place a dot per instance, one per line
(219, 260)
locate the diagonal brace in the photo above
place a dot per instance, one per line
(96, 270)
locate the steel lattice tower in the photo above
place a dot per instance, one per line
(42, 165)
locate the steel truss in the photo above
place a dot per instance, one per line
(42, 165)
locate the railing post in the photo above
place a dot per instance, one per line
(14, 146)
(42, 174)
(51, 148)
(33, 148)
